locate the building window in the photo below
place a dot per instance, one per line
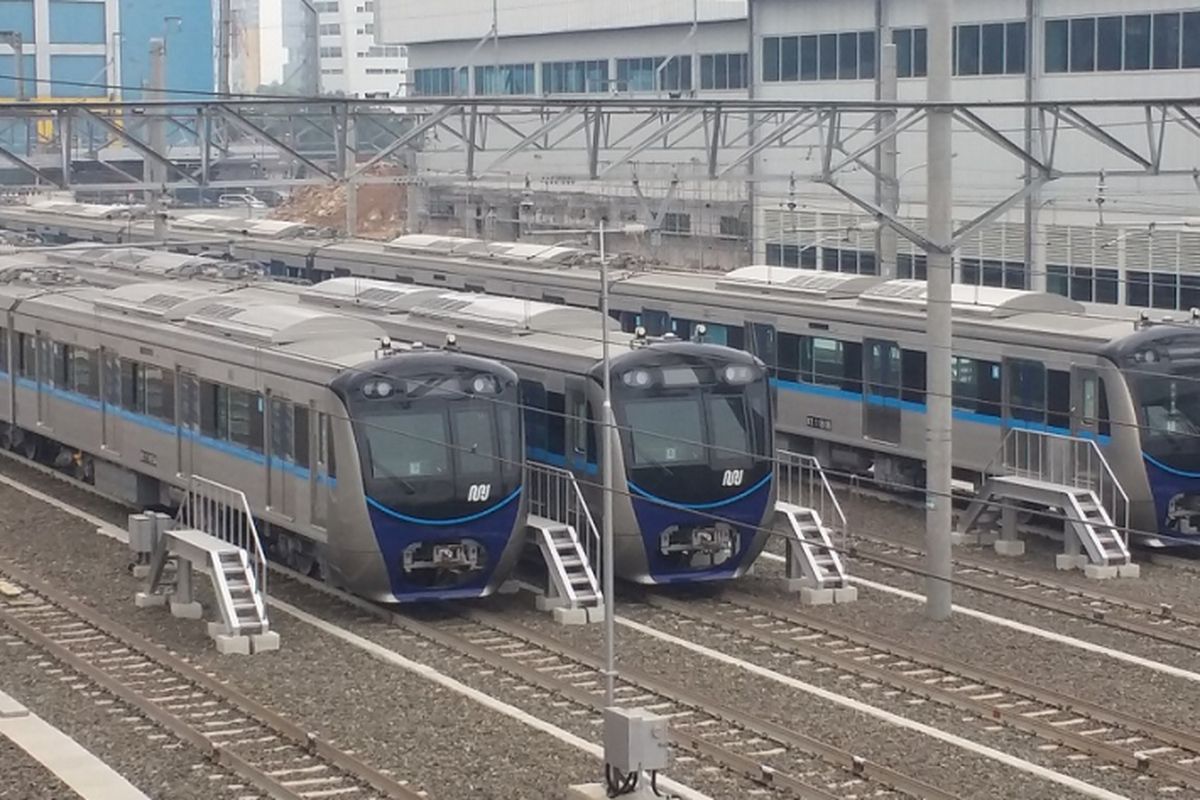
(724, 71)
(826, 56)
(910, 266)
(994, 48)
(990, 272)
(511, 79)
(439, 81)
(574, 77)
(326, 7)
(331, 29)
(643, 74)
(673, 222)
(383, 52)
(330, 52)
(735, 227)
(910, 52)
(1130, 42)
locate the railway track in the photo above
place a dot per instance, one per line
(270, 756)
(1079, 731)
(1158, 622)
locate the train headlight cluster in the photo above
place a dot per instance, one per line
(737, 374)
(378, 389)
(485, 384)
(637, 378)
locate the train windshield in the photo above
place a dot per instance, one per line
(1165, 383)
(461, 439)
(697, 428)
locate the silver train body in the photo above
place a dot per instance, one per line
(140, 384)
(846, 354)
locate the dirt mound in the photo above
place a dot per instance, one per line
(382, 207)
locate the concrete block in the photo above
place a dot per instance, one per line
(597, 791)
(793, 584)
(846, 594)
(147, 600)
(1129, 571)
(232, 645)
(264, 642)
(959, 538)
(216, 629)
(141, 571)
(187, 610)
(570, 616)
(546, 603)
(1064, 561)
(816, 597)
(595, 613)
(1009, 547)
(1099, 572)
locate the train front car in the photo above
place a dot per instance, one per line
(1161, 366)
(439, 446)
(697, 445)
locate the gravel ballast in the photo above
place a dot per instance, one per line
(24, 778)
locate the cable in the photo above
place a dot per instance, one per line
(619, 784)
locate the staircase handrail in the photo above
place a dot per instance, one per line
(789, 463)
(206, 508)
(1023, 453)
(539, 477)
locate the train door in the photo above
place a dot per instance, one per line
(189, 422)
(279, 458)
(1085, 402)
(582, 455)
(45, 378)
(881, 383)
(110, 365)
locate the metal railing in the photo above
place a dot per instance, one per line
(224, 512)
(555, 494)
(1067, 461)
(801, 481)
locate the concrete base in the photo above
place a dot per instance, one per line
(544, 603)
(1064, 561)
(816, 597)
(571, 616)
(232, 645)
(597, 791)
(846, 594)
(1009, 547)
(146, 600)
(216, 629)
(1098, 572)
(978, 539)
(264, 642)
(141, 571)
(187, 610)
(1129, 571)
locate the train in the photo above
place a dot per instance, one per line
(845, 353)
(696, 442)
(137, 385)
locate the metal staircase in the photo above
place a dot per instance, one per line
(1055, 472)
(561, 526)
(215, 532)
(807, 502)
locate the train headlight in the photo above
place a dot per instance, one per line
(737, 374)
(637, 378)
(484, 384)
(383, 389)
(368, 389)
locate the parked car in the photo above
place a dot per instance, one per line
(239, 201)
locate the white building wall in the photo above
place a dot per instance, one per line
(353, 62)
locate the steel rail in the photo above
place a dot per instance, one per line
(218, 753)
(1013, 717)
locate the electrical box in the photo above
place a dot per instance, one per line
(635, 740)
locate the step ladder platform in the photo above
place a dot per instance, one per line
(573, 593)
(198, 546)
(814, 568)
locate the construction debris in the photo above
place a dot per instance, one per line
(382, 207)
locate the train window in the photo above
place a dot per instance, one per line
(214, 410)
(830, 362)
(300, 435)
(61, 366)
(629, 321)
(1105, 426)
(533, 401)
(912, 376)
(579, 424)
(976, 385)
(1058, 399)
(133, 386)
(476, 439)
(789, 357)
(160, 393)
(762, 343)
(3, 350)
(189, 401)
(246, 419)
(656, 323)
(556, 423)
(112, 379)
(1026, 390)
(26, 359)
(329, 450)
(281, 429)
(85, 378)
